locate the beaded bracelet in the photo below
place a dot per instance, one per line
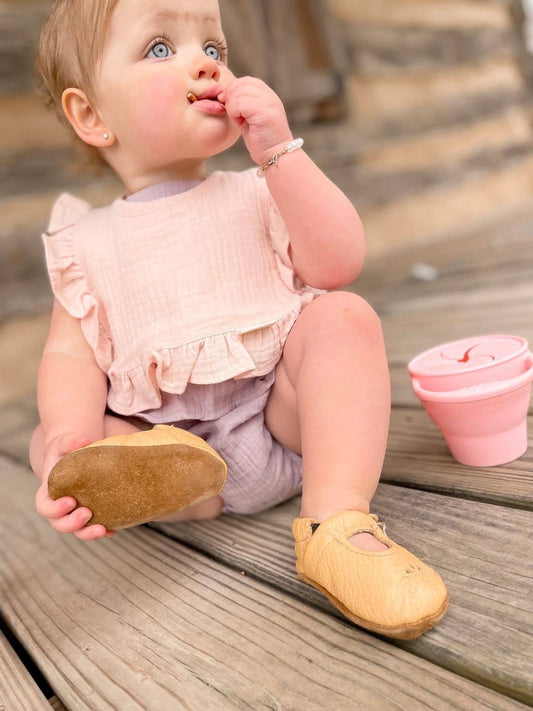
(292, 146)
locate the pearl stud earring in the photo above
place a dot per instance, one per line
(106, 136)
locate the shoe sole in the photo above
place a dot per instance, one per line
(407, 631)
(129, 485)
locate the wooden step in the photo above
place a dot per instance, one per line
(20, 24)
(423, 99)
(419, 324)
(142, 622)
(454, 145)
(418, 457)
(21, 346)
(424, 13)
(19, 115)
(18, 419)
(479, 549)
(18, 690)
(431, 214)
(494, 250)
(424, 47)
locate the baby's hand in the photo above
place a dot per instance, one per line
(260, 114)
(62, 513)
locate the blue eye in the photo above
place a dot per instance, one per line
(212, 51)
(160, 50)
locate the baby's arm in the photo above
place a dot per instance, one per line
(326, 236)
(72, 394)
(327, 241)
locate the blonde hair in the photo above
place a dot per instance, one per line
(70, 49)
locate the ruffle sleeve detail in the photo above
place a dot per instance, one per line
(69, 283)
(212, 359)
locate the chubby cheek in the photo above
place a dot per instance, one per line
(157, 108)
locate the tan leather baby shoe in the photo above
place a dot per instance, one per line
(390, 592)
(130, 479)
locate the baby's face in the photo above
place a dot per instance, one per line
(157, 53)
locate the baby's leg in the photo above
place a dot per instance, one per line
(117, 426)
(331, 400)
(332, 394)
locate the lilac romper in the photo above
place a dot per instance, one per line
(225, 411)
(229, 416)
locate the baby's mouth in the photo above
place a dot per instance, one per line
(208, 101)
(207, 96)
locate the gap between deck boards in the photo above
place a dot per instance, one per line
(144, 619)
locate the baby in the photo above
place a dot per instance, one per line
(206, 302)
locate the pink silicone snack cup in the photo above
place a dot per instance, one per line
(477, 390)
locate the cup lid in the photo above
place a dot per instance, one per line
(467, 354)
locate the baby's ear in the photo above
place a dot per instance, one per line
(84, 119)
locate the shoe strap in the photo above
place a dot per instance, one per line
(348, 522)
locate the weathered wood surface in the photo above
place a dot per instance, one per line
(483, 553)
(469, 14)
(418, 457)
(491, 252)
(150, 618)
(466, 541)
(144, 622)
(17, 422)
(483, 284)
(434, 101)
(18, 690)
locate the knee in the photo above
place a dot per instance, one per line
(345, 311)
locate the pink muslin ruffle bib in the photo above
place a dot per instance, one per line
(196, 287)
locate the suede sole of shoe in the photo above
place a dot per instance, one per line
(409, 631)
(129, 485)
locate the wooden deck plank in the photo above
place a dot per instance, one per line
(143, 622)
(418, 456)
(483, 285)
(495, 251)
(483, 553)
(17, 421)
(21, 346)
(416, 325)
(18, 690)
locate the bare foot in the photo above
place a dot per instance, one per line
(364, 540)
(367, 542)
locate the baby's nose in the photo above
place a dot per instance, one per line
(205, 67)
